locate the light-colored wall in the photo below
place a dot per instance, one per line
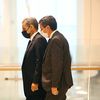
(95, 31)
(88, 32)
(8, 43)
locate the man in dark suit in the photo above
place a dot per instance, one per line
(32, 62)
(56, 70)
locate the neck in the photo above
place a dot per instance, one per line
(50, 32)
(32, 32)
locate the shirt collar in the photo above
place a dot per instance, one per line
(52, 33)
(33, 35)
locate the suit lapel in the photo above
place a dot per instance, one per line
(31, 44)
(49, 44)
(33, 40)
(46, 49)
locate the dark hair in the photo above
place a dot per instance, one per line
(49, 20)
(32, 21)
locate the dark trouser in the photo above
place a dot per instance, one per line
(37, 95)
(60, 96)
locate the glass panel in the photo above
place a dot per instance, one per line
(67, 22)
(79, 91)
(94, 93)
(80, 25)
(86, 85)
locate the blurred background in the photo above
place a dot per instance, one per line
(78, 21)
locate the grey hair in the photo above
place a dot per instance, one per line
(32, 21)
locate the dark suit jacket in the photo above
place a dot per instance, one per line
(56, 70)
(32, 63)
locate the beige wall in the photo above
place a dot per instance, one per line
(88, 32)
(95, 30)
(8, 43)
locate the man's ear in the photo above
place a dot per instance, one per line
(31, 26)
(48, 27)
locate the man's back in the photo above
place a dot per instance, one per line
(57, 59)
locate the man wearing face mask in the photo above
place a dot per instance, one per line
(32, 62)
(56, 69)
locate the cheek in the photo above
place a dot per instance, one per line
(23, 27)
(45, 31)
(27, 31)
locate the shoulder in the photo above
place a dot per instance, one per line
(57, 37)
(40, 38)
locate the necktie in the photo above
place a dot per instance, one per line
(29, 42)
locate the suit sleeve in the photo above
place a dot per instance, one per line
(56, 62)
(39, 52)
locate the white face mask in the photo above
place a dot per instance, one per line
(44, 34)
